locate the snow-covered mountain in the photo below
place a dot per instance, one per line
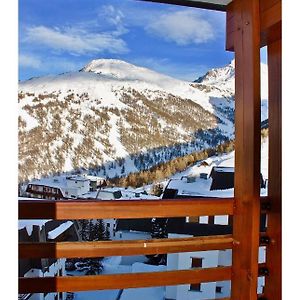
(114, 118)
(224, 78)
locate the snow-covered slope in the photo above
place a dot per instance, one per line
(115, 118)
(224, 78)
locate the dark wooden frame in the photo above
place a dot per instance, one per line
(189, 3)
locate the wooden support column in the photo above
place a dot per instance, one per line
(273, 281)
(246, 216)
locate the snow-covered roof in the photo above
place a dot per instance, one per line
(57, 181)
(223, 169)
(53, 234)
(77, 178)
(126, 194)
(28, 224)
(209, 161)
(94, 178)
(200, 187)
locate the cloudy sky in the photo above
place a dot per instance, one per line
(59, 36)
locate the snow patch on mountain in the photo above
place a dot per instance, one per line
(120, 118)
(224, 78)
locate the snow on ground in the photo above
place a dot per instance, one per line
(102, 77)
(30, 121)
(201, 187)
(97, 295)
(265, 158)
(152, 293)
(28, 224)
(114, 136)
(112, 265)
(132, 235)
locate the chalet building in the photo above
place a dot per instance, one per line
(223, 178)
(109, 194)
(206, 162)
(96, 182)
(218, 183)
(60, 187)
(45, 231)
(204, 259)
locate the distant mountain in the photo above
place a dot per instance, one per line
(224, 78)
(114, 118)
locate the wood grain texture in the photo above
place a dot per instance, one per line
(246, 217)
(122, 281)
(123, 248)
(123, 209)
(273, 288)
(270, 23)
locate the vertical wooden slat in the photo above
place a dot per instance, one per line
(273, 281)
(247, 155)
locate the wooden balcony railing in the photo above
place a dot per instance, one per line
(91, 209)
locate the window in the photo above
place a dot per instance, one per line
(196, 263)
(195, 287)
(219, 289)
(193, 220)
(211, 220)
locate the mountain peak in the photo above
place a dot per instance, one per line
(218, 75)
(124, 71)
(98, 64)
(111, 67)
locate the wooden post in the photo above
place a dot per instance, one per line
(247, 149)
(273, 281)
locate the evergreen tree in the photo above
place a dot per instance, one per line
(106, 236)
(158, 231)
(123, 170)
(84, 232)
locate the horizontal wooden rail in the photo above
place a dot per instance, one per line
(124, 248)
(122, 281)
(123, 209)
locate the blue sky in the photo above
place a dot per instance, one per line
(64, 35)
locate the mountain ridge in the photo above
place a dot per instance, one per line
(115, 118)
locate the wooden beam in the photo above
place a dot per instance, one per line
(273, 288)
(123, 209)
(247, 150)
(123, 248)
(191, 3)
(271, 15)
(270, 22)
(122, 281)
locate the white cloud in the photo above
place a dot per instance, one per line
(29, 61)
(75, 40)
(114, 17)
(182, 27)
(49, 64)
